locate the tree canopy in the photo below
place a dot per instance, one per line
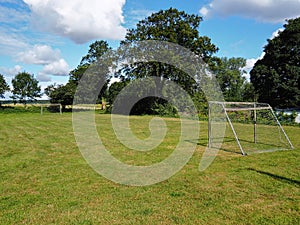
(172, 26)
(25, 87)
(64, 94)
(3, 86)
(276, 77)
(229, 73)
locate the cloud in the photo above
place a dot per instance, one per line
(134, 16)
(276, 33)
(274, 11)
(39, 55)
(57, 68)
(50, 58)
(10, 72)
(250, 64)
(80, 21)
(43, 77)
(11, 43)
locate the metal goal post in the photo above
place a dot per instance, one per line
(241, 106)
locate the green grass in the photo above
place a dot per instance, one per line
(45, 180)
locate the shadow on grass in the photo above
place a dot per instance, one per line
(277, 177)
(204, 142)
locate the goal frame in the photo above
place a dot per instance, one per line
(47, 105)
(254, 108)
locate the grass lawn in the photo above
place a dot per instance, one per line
(45, 180)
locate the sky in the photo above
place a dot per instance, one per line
(48, 38)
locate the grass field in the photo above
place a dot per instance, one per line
(45, 180)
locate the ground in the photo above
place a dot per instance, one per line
(45, 180)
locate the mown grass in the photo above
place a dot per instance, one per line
(45, 180)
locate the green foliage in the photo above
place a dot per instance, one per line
(165, 109)
(20, 109)
(96, 50)
(276, 77)
(63, 94)
(287, 119)
(25, 87)
(173, 26)
(114, 89)
(229, 74)
(3, 86)
(248, 93)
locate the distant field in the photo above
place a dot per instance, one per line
(45, 180)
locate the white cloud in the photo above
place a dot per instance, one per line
(250, 64)
(43, 77)
(81, 21)
(57, 68)
(274, 11)
(11, 43)
(12, 15)
(50, 58)
(204, 11)
(39, 55)
(276, 33)
(9, 72)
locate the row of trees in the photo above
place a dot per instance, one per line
(25, 87)
(173, 26)
(275, 79)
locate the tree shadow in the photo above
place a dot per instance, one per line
(277, 177)
(204, 142)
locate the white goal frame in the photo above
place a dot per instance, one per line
(47, 105)
(247, 106)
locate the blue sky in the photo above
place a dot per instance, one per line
(47, 38)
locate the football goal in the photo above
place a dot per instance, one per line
(250, 128)
(51, 108)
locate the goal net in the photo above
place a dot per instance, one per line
(53, 108)
(250, 128)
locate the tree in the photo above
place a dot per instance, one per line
(276, 77)
(173, 26)
(115, 88)
(62, 94)
(25, 87)
(96, 50)
(3, 86)
(229, 73)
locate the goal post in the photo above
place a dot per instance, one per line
(43, 106)
(267, 132)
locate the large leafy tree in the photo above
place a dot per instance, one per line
(173, 26)
(25, 87)
(3, 86)
(229, 73)
(276, 77)
(64, 94)
(96, 50)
